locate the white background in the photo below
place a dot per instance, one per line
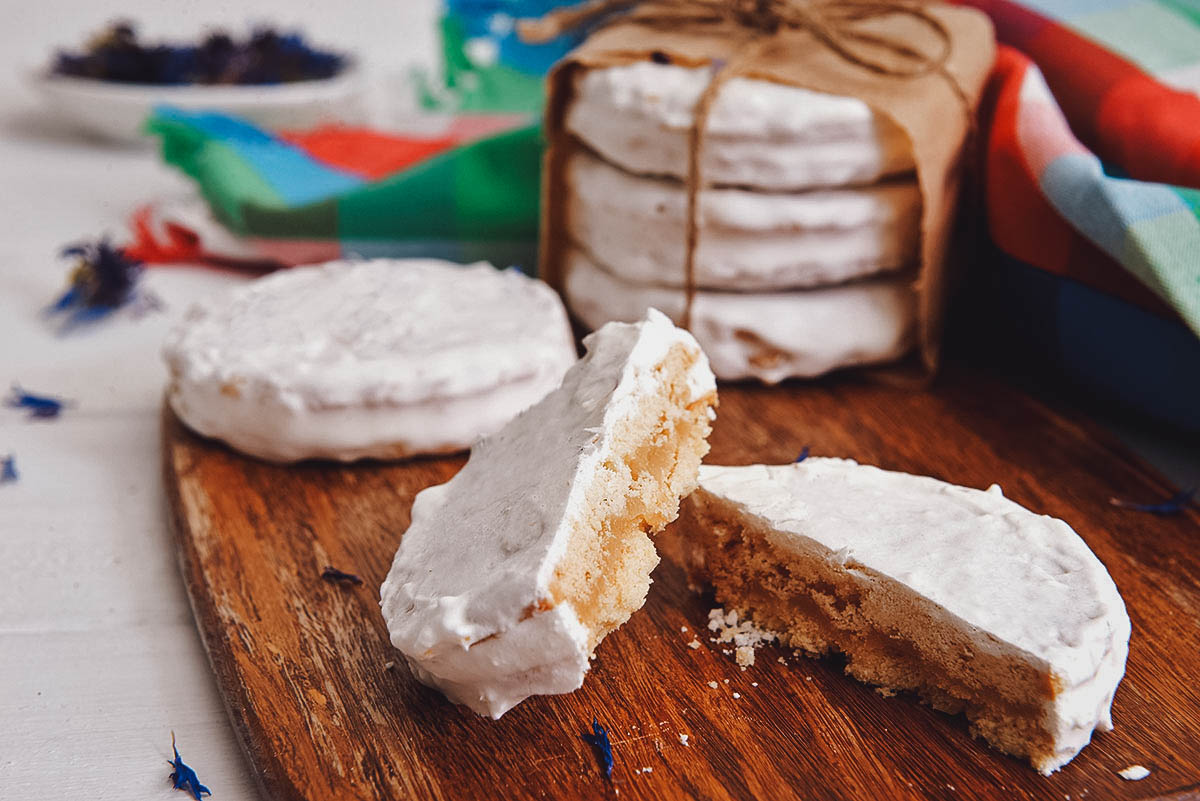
(99, 657)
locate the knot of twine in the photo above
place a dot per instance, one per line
(832, 23)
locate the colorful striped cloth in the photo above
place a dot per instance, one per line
(470, 191)
(1079, 132)
(1091, 175)
(1091, 179)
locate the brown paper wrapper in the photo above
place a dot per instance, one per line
(927, 108)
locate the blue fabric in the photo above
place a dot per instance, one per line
(1113, 349)
(291, 172)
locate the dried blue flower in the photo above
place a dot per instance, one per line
(42, 407)
(266, 57)
(1171, 506)
(332, 574)
(803, 455)
(598, 739)
(104, 280)
(8, 469)
(184, 777)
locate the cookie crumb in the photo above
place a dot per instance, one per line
(683, 739)
(713, 684)
(1134, 773)
(694, 644)
(745, 655)
(389, 665)
(737, 695)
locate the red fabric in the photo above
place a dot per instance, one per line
(1113, 107)
(369, 154)
(181, 245)
(1021, 221)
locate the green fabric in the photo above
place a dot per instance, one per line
(487, 189)
(314, 221)
(478, 89)
(1149, 33)
(227, 182)
(1184, 8)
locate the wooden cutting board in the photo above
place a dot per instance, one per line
(327, 710)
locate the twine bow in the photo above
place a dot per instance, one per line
(833, 23)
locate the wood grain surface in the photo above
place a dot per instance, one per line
(327, 710)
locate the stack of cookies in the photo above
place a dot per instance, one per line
(808, 219)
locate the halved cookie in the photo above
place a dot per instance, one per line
(960, 595)
(514, 570)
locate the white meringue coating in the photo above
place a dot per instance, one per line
(372, 358)
(467, 599)
(1022, 583)
(760, 134)
(748, 241)
(770, 336)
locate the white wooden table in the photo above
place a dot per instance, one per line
(99, 657)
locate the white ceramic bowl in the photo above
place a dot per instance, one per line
(117, 111)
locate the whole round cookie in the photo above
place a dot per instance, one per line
(371, 359)
(770, 336)
(636, 227)
(759, 134)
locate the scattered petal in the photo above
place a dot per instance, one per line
(8, 469)
(598, 739)
(803, 455)
(104, 279)
(184, 777)
(332, 574)
(1172, 506)
(43, 407)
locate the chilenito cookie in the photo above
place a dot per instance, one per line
(514, 570)
(759, 134)
(959, 594)
(370, 359)
(770, 336)
(748, 240)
